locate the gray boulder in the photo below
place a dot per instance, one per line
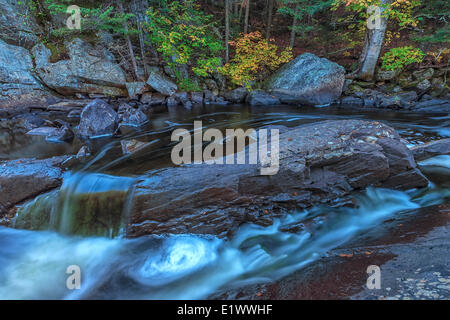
(18, 26)
(312, 80)
(161, 83)
(261, 98)
(88, 71)
(352, 101)
(153, 99)
(237, 95)
(423, 74)
(197, 98)
(135, 89)
(98, 119)
(183, 98)
(387, 75)
(18, 86)
(132, 117)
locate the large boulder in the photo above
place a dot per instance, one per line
(98, 119)
(18, 86)
(161, 83)
(23, 179)
(88, 71)
(18, 26)
(310, 79)
(319, 163)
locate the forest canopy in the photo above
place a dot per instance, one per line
(245, 40)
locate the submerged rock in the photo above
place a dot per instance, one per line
(98, 119)
(131, 146)
(53, 134)
(319, 163)
(312, 80)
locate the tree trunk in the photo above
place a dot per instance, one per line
(227, 30)
(247, 13)
(140, 20)
(373, 43)
(129, 44)
(294, 24)
(269, 19)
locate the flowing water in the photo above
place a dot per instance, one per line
(61, 229)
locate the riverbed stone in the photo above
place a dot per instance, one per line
(237, 95)
(98, 119)
(131, 117)
(431, 149)
(261, 98)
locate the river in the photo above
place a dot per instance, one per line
(33, 263)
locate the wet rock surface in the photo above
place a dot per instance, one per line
(319, 163)
(431, 149)
(23, 179)
(131, 117)
(410, 249)
(98, 119)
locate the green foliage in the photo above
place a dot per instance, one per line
(187, 85)
(435, 12)
(94, 18)
(398, 58)
(303, 11)
(184, 35)
(441, 35)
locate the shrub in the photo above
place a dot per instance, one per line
(398, 58)
(183, 34)
(253, 60)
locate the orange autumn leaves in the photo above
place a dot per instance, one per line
(254, 58)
